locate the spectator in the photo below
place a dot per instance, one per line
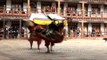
(78, 31)
(53, 9)
(22, 32)
(6, 32)
(47, 9)
(93, 33)
(15, 32)
(1, 33)
(10, 32)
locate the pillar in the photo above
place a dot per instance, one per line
(59, 7)
(20, 27)
(29, 7)
(4, 28)
(82, 30)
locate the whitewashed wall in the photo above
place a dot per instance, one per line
(65, 8)
(79, 7)
(8, 5)
(102, 8)
(25, 7)
(90, 27)
(39, 7)
(105, 11)
(102, 28)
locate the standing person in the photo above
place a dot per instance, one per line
(53, 8)
(1, 33)
(72, 33)
(47, 9)
(15, 32)
(78, 31)
(93, 33)
(22, 31)
(10, 32)
(5, 32)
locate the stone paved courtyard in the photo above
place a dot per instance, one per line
(75, 49)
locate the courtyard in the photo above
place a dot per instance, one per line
(74, 49)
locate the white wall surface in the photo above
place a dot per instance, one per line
(79, 7)
(102, 28)
(25, 7)
(65, 8)
(39, 7)
(90, 27)
(8, 5)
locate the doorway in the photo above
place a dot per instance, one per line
(96, 27)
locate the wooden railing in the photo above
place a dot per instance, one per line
(13, 13)
(78, 15)
(96, 1)
(87, 15)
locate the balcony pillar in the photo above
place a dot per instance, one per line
(39, 7)
(82, 30)
(20, 27)
(59, 7)
(29, 7)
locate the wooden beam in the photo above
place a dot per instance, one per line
(82, 31)
(58, 7)
(28, 7)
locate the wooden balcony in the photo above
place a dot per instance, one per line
(96, 0)
(88, 15)
(13, 14)
(88, 1)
